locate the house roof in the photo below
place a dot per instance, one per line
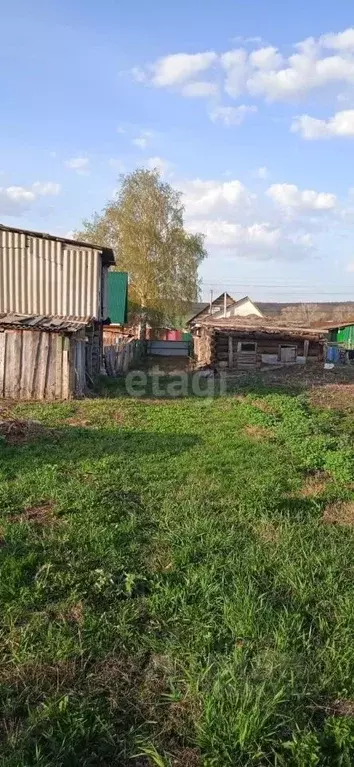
(40, 322)
(271, 308)
(107, 253)
(239, 303)
(201, 307)
(260, 325)
(118, 297)
(330, 325)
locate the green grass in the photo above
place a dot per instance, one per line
(183, 602)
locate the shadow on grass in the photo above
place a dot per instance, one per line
(68, 445)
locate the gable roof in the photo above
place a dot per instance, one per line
(107, 253)
(241, 301)
(218, 300)
(117, 298)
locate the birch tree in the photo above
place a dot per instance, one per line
(144, 226)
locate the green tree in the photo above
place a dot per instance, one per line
(144, 226)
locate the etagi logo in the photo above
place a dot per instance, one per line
(202, 383)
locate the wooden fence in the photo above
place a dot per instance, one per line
(122, 355)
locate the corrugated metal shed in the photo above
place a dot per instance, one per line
(118, 297)
(45, 275)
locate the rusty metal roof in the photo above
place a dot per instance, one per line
(39, 322)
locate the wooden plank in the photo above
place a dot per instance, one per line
(2, 362)
(13, 364)
(59, 366)
(33, 367)
(65, 369)
(42, 369)
(27, 364)
(230, 352)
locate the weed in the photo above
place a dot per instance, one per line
(189, 606)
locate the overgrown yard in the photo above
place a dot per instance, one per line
(177, 583)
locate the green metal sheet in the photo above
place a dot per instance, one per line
(118, 297)
(344, 334)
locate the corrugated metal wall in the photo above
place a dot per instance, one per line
(43, 276)
(40, 365)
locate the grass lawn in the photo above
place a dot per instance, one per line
(177, 584)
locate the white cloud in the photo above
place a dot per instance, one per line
(202, 198)
(343, 41)
(142, 141)
(14, 200)
(266, 58)
(164, 167)
(79, 164)
(199, 89)
(247, 239)
(290, 197)
(46, 189)
(244, 224)
(310, 128)
(180, 67)
(262, 172)
(265, 72)
(232, 115)
(350, 267)
(235, 64)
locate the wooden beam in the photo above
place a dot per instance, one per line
(231, 355)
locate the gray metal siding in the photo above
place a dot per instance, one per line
(168, 348)
(45, 277)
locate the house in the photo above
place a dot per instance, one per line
(247, 343)
(225, 306)
(55, 287)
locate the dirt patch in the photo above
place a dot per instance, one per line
(339, 513)
(75, 614)
(267, 531)
(19, 432)
(339, 707)
(263, 405)
(336, 396)
(258, 433)
(40, 515)
(314, 484)
(188, 757)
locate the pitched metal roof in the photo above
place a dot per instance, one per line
(107, 253)
(118, 297)
(38, 322)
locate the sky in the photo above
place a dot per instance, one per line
(246, 108)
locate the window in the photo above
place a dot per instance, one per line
(288, 353)
(248, 346)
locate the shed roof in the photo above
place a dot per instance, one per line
(40, 322)
(259, 324)
(107, 253)
(118, 297)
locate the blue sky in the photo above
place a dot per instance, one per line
(247, 108)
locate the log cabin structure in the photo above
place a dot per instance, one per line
(250, 343)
